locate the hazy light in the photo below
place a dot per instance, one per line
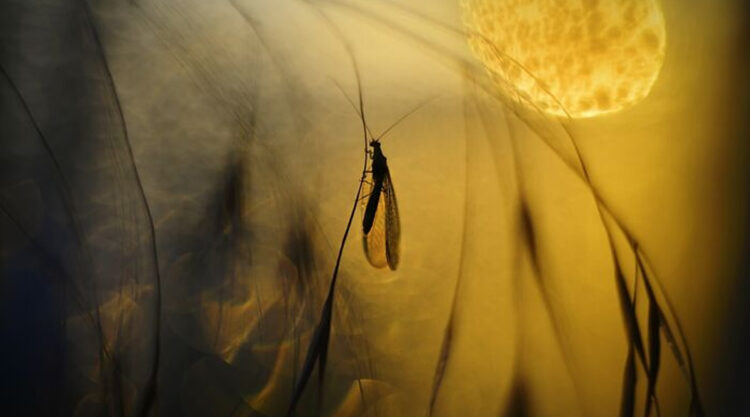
(581, 57)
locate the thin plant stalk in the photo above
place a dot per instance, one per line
(318, 348)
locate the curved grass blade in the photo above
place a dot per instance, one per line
(527, 228)
(447, 343)
(518, 403)
(683, 360)
(627, 401)
(316, 352)
(654, 349)
(318, 348)
(445, 350)
(628, 312)
(147, 400)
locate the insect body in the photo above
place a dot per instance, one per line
(381, 228)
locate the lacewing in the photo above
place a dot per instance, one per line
(381, 227)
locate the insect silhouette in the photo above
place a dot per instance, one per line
(381, 225)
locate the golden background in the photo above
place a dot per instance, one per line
(198, 296)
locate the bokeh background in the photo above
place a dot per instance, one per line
(176, 176)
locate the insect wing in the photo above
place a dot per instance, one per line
(392, 223)
(373, 199)
(374, 241)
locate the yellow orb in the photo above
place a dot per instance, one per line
(579, 58)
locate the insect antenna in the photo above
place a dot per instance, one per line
(354, 106)
(365, 128)
(409, 113)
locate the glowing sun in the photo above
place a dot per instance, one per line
(577, 57)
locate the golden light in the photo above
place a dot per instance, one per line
(580, 57)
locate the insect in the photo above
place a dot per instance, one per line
(381, 226)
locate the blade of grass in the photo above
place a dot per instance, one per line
(518, 403)
(445, 350)
(447, 343)
(628, 313)
(318, 348)
(147, 402)
(527, 228)
(654, 349)
(686, 365)
(529, 237)
(582, 171)
(627, 401)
